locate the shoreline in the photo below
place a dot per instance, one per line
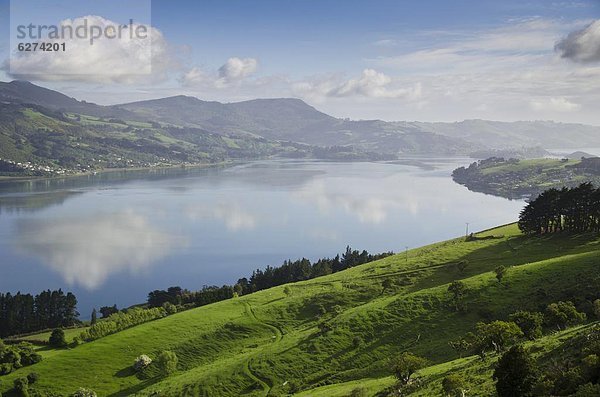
(107, 171)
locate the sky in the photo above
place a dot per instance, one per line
(427, 60)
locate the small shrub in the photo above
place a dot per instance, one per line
(21, 386)
(530, 323)
(141, 362)
(33, 377)
(5, 369)
(500, 272)
(57, 338)
(515, 373)
(406, 364)
(453, 386)
(76, 341)
(169, 308)
(167, 362)
(324, 327)
(563, 314)
(337, 310)
(458, 291)
(83, 392)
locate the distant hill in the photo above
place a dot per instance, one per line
(293, 120)
(502, 135)
(24, 92)
(578, 155)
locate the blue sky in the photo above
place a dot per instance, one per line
(395, 60)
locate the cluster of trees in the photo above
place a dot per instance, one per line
(288, 272)
(517, 373)
(498, 335)
(303, 269)
(120, 321)
(107, 311)
(13, 357)
(178, 296)
(572, 209)
(23, 313)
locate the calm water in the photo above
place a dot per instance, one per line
(112, 238)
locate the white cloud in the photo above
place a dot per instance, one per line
(385, 43)
(558, 104)
(87, 250)
(195, 76)
(231, 73)
(582, 45)
(371, 84)
(129, 59)
(236, 69)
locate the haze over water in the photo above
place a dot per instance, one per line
(112, 238)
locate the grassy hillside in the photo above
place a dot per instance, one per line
(36, 141)
(337, 332)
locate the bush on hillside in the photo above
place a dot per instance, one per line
(406, 364)
(453, 386)
(530, 323)
(83, 392)
(21, 386)
(120, 321)
(57, 338)
(33, 377)
(458, 291)
(141, 362)
(13, 357)
(167, 362)
(169, 308)
(563, 314)
(516, 373)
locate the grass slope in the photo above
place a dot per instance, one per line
(271, 343)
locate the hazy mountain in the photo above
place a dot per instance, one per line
(501, 135)
(286, 119)
(294, 120)
(24, 92)
(269, 118)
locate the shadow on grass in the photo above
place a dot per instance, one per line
(136, 388)
(125, 372)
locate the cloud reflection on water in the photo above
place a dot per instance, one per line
(87, 250)
(232, 215)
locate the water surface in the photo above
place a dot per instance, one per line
(112, 238)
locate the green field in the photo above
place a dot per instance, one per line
(274, 343)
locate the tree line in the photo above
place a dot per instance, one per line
(270, 276)
(119, 321)
(23, 313)
(574, 209)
